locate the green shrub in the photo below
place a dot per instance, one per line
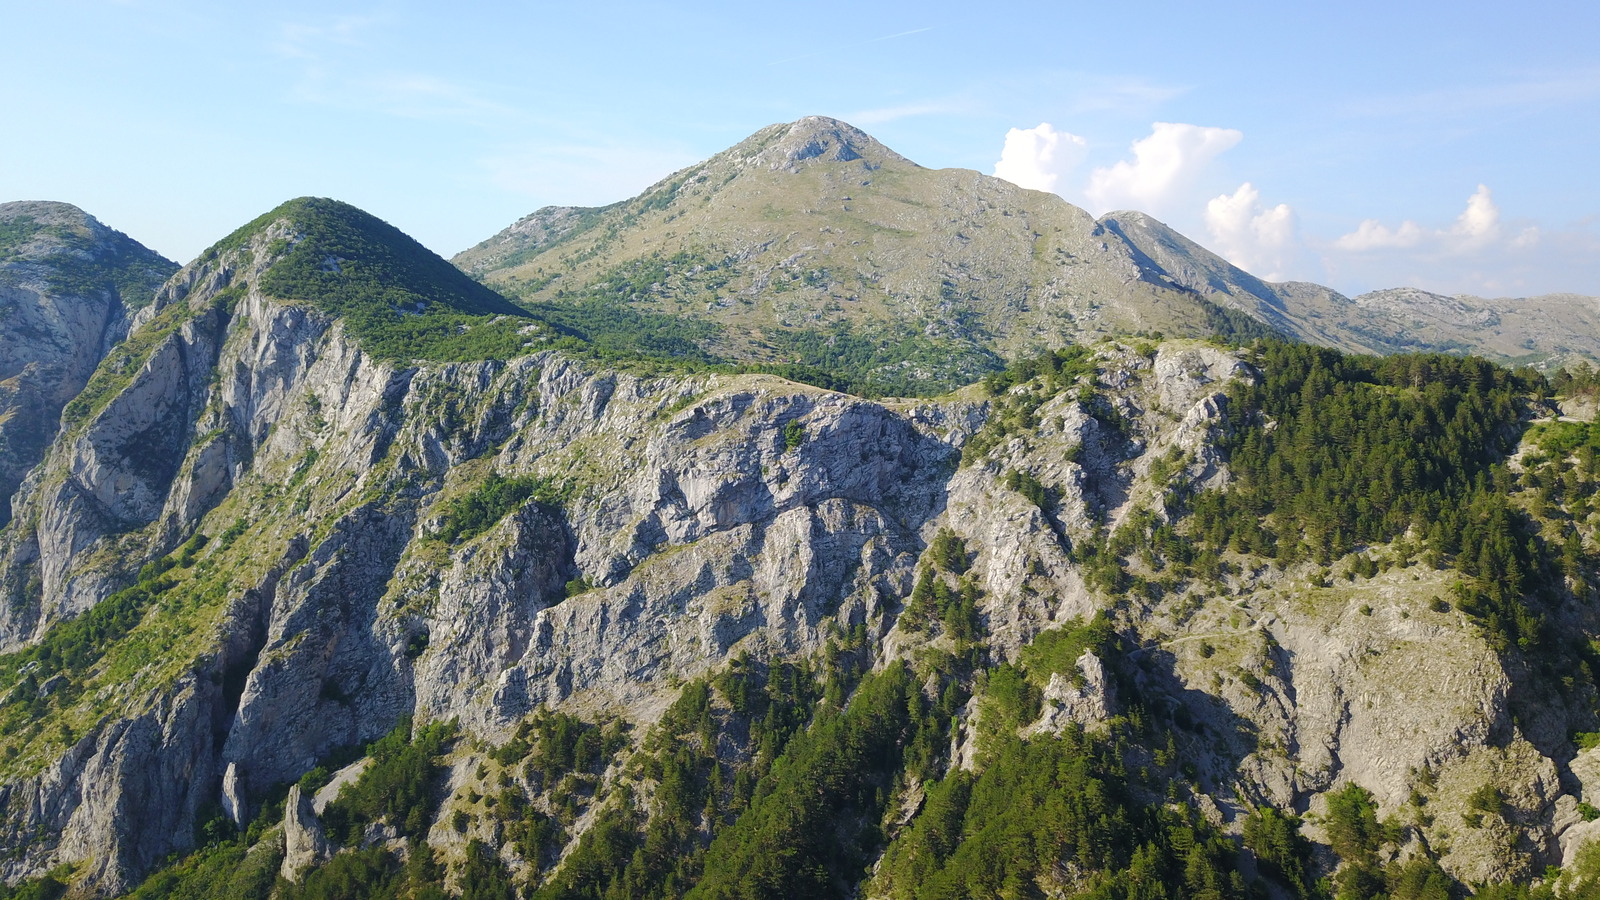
(1030, 487)
(949, 552)
(1056, 650)
(472, 514)
(1281, 851)
(397, 787)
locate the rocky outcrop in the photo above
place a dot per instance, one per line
(112, 469)
(305, 843)
(1087, 698)
(68, 285)
(701, 524)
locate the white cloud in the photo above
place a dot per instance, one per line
(1036, 158)
(1477, 227)
(1479, 223)
(1163, 165)
(1479, 252)
(1527, 238)
(1252, 237)
(1374, 235)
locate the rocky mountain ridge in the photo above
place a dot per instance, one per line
(68, 286)
(811, 224)
(341, 568)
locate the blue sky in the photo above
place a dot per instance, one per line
(1447, 146)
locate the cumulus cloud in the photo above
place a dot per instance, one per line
(1374, 235)
(1037, 158)
(1477, 227)
(1479, 223)
(1163, 165)
(1479, 252)
(1254, 238)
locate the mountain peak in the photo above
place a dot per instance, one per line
(50, 226)
(341, 255)
(399, 300)
(796, 144)
(49, 210)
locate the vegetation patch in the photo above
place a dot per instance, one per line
(397, 788)
(472, 514)
(1359, 450)
(880, 361)
(77, 267)
(1056, 651)
(400, 301)
(14, 232)
(51, 674)
(1018, 391)
(611, 330)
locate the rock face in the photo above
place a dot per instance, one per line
(318, 638)
(1089, 703)
(305, 844)
(313, 585)
(68, 286)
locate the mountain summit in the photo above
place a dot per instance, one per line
(399, 299)
(812, 242)
(819, 138)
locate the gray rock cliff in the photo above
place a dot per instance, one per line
(68, 286)
(694, 517)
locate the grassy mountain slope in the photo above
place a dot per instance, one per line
(400, 300)
(78, 255)
(1307, 311)
(813, 243)
(812, 237)
(1545, 331)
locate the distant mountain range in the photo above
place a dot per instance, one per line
(809, 230)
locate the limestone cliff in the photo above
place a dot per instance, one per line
(270, 532)
(68, 285)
